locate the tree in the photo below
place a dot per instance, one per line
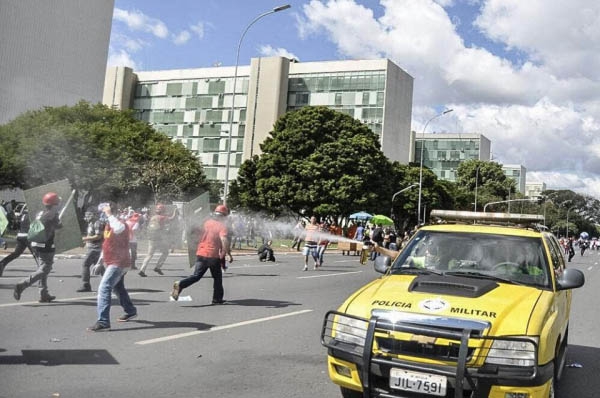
(485, 178)
(316, 161)
(104, 153)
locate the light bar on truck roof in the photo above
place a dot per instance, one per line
(513, 218)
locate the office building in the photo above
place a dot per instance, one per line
(54, 53)
(193, 105)
(534, 189)
(442, 153)
(518, 173)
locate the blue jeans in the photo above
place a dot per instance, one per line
(113, 279)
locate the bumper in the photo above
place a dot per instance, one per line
(348, 374)
(366, 368)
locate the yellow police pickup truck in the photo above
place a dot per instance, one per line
(476, 305)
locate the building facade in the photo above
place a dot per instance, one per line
(442, 153)
(193, 106)
(518, 173)
(54, 53)
(534, 189)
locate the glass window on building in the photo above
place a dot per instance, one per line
(174, 89)
(211, 144)
(365, 98)
(170, 130)
(210, 172)
(338, 98)
(208, 130)
(302, 99)
(214, 115)
(380, 98)
(216, 86)
(201, 102)
(144, 90)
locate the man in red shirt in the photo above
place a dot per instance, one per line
(213, 246)
(115, 252)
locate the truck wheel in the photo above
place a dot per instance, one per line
(348, 393)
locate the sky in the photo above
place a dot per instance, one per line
(525, 74)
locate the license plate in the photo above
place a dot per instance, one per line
(423, 383)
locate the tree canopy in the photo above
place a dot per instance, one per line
(104, 153)
(316, 161)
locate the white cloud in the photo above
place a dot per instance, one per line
(182, 38)
(138, 21)
(268, 51)
(198, 29)
(121, 58)
(542, 113)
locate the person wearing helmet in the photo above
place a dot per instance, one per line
(43, 247)
(157, 239)
(93, 242)
(213, 247)
(22, 242)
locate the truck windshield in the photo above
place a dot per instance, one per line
(515, 258)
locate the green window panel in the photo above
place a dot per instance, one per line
(338, 98)
(189, 88)
(241, 130)
(216, 87)
(144, 90)
(302, 99)
(174, 88)
(380, 98)
(169, 130)
(210, 172)
(202, 102)
(211, 144)
(214, 116)
(188, 131)
(206, 130)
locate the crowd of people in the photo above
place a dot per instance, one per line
(569, 244)
(111, 251)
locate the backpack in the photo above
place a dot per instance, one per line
(36, 232)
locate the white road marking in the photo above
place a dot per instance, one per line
(252, 266)
(217, 328)
(62, 300)
(324, 275)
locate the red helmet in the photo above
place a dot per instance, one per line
(51, 199)
(222, 210)
(159, 209)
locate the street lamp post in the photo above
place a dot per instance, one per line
(421, 163)
(476, 182)
(399, 192)
(237, 59)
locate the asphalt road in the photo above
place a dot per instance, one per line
(264, 342)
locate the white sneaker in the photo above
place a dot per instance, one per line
(305, 268)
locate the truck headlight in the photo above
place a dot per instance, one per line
(350, 330)
(513, 352)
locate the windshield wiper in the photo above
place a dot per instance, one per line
(476, 274)
(415, 270)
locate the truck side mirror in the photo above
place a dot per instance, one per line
(571, 278)
(382, 263)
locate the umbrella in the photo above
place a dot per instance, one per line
(584, 235)
(380, 219)
(361, 216)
